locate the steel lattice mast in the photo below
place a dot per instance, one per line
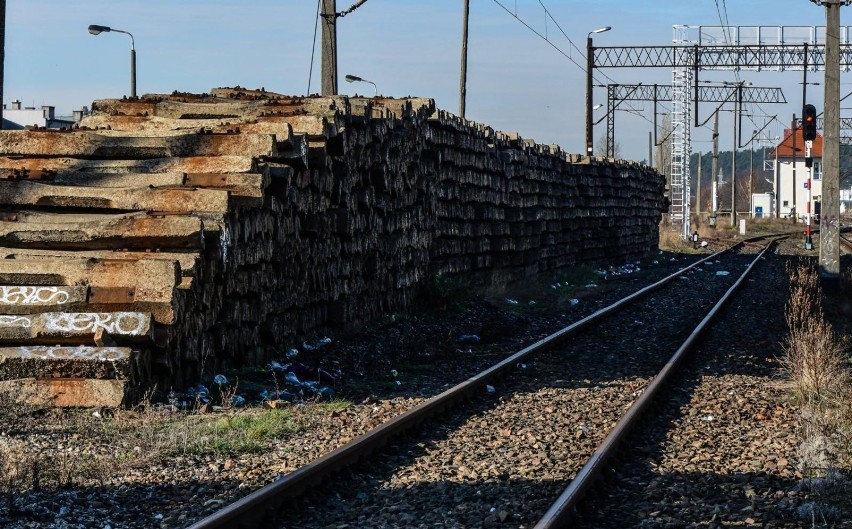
(688, 56)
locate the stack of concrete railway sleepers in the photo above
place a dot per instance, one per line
(169, 237)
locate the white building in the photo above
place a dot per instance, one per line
(791, 182)
(16, 117)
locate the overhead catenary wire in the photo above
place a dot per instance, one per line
(544, 37)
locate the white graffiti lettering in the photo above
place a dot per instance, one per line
(15, 321)
(82, 352)
(123, 323)
(15, 295)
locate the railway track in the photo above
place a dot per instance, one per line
(724, 447)
(493, 395)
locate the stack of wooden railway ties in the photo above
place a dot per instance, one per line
(144, 242)
(171, 237)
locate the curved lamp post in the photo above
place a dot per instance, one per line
(355, 78)
(95, 29)
(590, 64)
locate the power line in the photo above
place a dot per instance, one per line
(544, 37)
(314, 47)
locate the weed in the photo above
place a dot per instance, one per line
(239, 434)
(814, 355)
(333, 405)
(815, 360)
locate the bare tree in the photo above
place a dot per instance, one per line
(600, 148)
(663, 161)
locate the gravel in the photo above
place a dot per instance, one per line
(128, 481)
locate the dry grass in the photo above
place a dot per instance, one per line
(815, 359)
(671, 240)
(814, 356)
(100, 447)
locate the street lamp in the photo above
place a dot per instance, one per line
(354, 78)
(590, 62)
(94, 29)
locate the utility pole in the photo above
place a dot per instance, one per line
(829, 246)
(698, 190)
(2, 50)
(751, 178)
(734, 172)
(651, 149)
(590, 63)
(328, 86)
(793, 210)
(714, 169)
(463, 79)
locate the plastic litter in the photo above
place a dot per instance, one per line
(511, 301)
(490, 389)
(277, 395)
(722, 273)
(237, 401)
(291, 353)
(292, 378)
(468, 338)
(200, 393)
(320, 343)
(325, 391)
(220, 380)
(303, 371)
(531, 303)
(573, 301)
(275, 366)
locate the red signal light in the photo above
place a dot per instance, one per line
(809, 125)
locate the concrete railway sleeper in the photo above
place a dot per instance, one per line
(560, 404)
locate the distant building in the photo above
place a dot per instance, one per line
(791, 195)
(16, 117)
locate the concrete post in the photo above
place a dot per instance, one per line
(328, 86)
(829, 247)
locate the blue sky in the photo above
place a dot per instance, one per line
(516, 81)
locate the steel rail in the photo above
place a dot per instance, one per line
(247, 511)
(562, 511)
(846, 243)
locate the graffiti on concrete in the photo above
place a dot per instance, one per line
(123, 323)
(15, 321)
(18, 295)
(82, 352)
